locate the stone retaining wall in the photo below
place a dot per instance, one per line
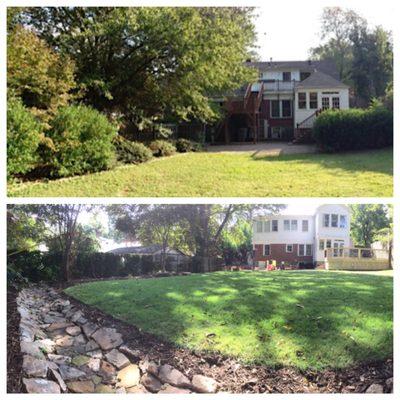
(64, 352)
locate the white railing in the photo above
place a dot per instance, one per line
(279, 86)
(354, 252)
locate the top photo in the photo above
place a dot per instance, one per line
(200, 101)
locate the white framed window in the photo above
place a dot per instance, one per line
(336, 102)
(267, 250)
(326, 220)
(293, 225)
(322, 244)
(286, 225)
(343, 221)
(305, 250)
(286, 76)
(304, 225)
(281, 108)
(259, 226)
(334, 220)
(328, 243)
(289, 248)
(313, 100)
(267, 226)
(274, 225)
(302, 100)
(325, 103)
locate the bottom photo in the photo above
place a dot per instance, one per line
(200, 298)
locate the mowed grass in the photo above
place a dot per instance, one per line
(306, 319)
(367, 174)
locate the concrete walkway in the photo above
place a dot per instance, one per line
(264, 148)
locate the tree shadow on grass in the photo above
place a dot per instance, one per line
(304, 319)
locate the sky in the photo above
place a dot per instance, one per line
(287, 30)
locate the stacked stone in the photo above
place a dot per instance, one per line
(64, 352)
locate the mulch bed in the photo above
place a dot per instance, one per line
(235, 377)
(14, 357)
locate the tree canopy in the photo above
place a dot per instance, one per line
(150, 63)
(363, 55)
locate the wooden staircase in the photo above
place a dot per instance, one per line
(249, 106)
(303, 129)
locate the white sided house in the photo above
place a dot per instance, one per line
(284, 103)
(300, 239)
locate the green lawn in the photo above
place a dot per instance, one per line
(366, 174)
(307, 319)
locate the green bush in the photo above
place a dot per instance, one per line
(186, 146)
(131, 152)
(161, 148)
(24, 133)
(82, 139)
(354, 129)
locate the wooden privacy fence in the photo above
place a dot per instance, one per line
(356, 259)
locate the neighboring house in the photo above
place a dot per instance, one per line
(284, 103)
(174, 257)
(302, 238)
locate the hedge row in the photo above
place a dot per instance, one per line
(76, 140)
(42, 266)
(354, 129)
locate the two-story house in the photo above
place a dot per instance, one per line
(284, 103)
(299, 239)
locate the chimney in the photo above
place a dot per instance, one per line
(309, 62)
(270, 61)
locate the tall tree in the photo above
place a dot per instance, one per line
(62, 220)
(150, 63)
(385, 235)
(337, 26)
(150, 224)
(366, 221)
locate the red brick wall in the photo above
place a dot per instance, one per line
(278, 253)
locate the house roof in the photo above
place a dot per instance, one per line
(327, 66)
(143, 250)
(318, 80)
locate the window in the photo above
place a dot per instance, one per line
(308, 250)
(293, 225)
(304, 225)
(275, 109)
(267, 250)
(343, 221)
(301, 249)
(325, 103)
(334, 220)
(305, 250)
(259, 226)
(313, 100)
(326, 220)
(286, 108)
(287, 76)
(281, 108)
(328, 243)
(302, 100)
(286, 225)
(304, 75)
(267, 226)
(274, 225)
(322, 244)
(289, 248)
(336, 102)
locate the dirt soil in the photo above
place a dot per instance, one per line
(14, 357)
(235, 377)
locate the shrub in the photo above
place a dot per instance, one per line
(24, 133)
(82, 139)
(186, 145)
(161, 148)
(354, 129)
(131, 152)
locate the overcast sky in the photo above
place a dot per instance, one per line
(286, 30)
